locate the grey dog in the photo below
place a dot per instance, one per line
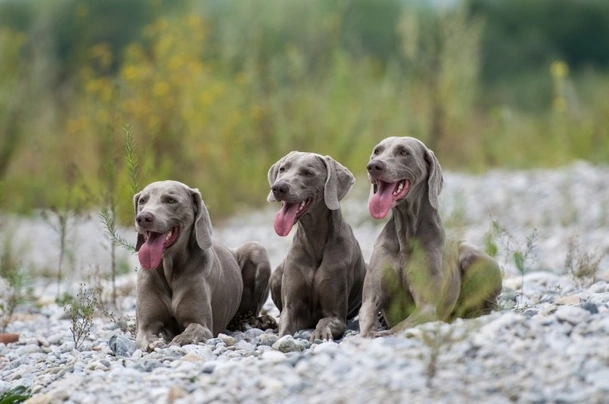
(415, 275)
(189, 288)
(319, 284)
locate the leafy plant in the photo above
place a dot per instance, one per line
(13, 282)
(80, 310)
(15, 395)
(518, 253)
(582, 265)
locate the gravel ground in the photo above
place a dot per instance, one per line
(549, 342)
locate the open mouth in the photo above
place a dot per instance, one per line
(155, 244)
(170, 237)
(289, 215)
(385, 195)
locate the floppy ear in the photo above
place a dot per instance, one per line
(434, 178)
(140, 237)
(338, 182)
(272, 175)
(202, 224)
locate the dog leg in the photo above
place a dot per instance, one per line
(255, 271)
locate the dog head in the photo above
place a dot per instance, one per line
(398, 166)
(169, 213)
(301, 180)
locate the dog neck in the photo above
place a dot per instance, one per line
(318, 227)
(415, 219)
(175, 264)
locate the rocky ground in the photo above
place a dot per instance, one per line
(548, 343)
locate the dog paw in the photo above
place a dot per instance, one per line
(160, 343)
(264, 322)
(193, 334)
(324, 334)
(385, 333)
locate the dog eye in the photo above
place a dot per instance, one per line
(281, 169)
(142, 201)
(404, 152)
(376, 151)
(170, 199)
(308, 173)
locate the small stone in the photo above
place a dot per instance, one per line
(213, 341)
(190, 357)
(569, 300)
(175, 393)
(137, 354)
(267, 339)
(253, 333)
(228, 340)
(8, 338)
(572, 315)
(274, 356)
(591, 307)
(121, 345)
(288, 344)
(208, 367)
(600, 379)
(244, 346)
(547, 309)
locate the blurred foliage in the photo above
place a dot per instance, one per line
(217, 90)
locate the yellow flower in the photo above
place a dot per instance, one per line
(559, 69)
(160, 89)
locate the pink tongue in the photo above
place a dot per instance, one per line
(151, 252)
(381, 202)
(285, 218)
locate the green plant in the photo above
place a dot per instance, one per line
(15, 395)
(80, 310)
(582, 265)
(520, 254)
(61, 217)
(125, 323)
(439, 338)
(13, 293)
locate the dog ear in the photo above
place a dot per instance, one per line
(434, 178)
(338, 182)
(202, 224)
(140, 237)
(272, 175)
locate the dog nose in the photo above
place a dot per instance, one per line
(375, 166)
(144, 218)
(279, 189)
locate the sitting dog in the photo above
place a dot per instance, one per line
(414, 275)
(189, 288)
(319, 284)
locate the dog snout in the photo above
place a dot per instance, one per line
(144, 218)
(375, 166)
(280, 189)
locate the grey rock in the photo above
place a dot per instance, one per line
(267, 339)
(591, 307)
(572, 314)
(121, 345)
(288, 344)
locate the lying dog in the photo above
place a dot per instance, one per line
(190, 288)
(414, 276)
(319, 284)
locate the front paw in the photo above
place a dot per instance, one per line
(384, 333)
(148, 343)
(193, 334)
(322, 333)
